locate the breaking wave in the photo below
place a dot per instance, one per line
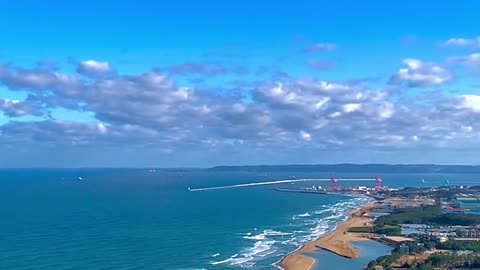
(274, 244)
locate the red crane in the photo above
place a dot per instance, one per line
(334, 185)
(378, 184)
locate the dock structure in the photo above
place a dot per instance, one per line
(300, 190)
(276, 182)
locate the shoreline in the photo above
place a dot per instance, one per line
(336, 241)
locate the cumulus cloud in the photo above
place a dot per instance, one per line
(418, 74)
(471, 61)
(470, 102)
(150, 108)
(318, 47)
(59, 133)
(94, 68)
(462, 42)
(351, 107)
(39, 79)
(16, 108)
(102, 128)
(305, 136)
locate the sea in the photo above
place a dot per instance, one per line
(147, 218)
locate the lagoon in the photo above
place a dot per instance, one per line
(369, 250)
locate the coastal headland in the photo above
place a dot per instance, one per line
(337, 241)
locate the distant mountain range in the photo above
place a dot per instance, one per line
(359, 168)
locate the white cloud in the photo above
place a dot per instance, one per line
(467, 128)
(322, 102)
(335, 114)
(17, 108)
(351, 107)
(102, 128)
(40, 80)
(386, 110)
(305, 136)
(419, 74)
(471, 61)
(471, 102)
(94, 68)
(11, 101)
(151, 109)
(462, 42)
(473, 58)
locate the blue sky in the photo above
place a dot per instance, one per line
(221, 82)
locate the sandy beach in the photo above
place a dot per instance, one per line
(337, 241)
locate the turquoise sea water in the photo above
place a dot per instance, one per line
(136, 219)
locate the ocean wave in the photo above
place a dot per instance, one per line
(225, 261)
(335, 216)
(221, 262)
(249, 256)
(304, 227)
(303, 215)
(275, 233)
(320, 229)
(259, 247)
(289, 241)
(319, 212)
(255, 237)
(265, 234)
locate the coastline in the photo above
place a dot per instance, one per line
(337, 241)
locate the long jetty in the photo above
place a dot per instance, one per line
(276, 182)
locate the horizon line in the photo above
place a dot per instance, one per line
(247, 165)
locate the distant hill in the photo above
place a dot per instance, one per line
(358, 168)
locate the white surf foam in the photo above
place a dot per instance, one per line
(301, 215)
(265, 234)
(276, 243)
(255, 237)
(275, 233)
(250, 255)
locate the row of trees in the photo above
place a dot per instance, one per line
(417, 215)
(442, 261)
(445, 261)
(448, 261)
(384, 261)
(425, 215)
(459, 245)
